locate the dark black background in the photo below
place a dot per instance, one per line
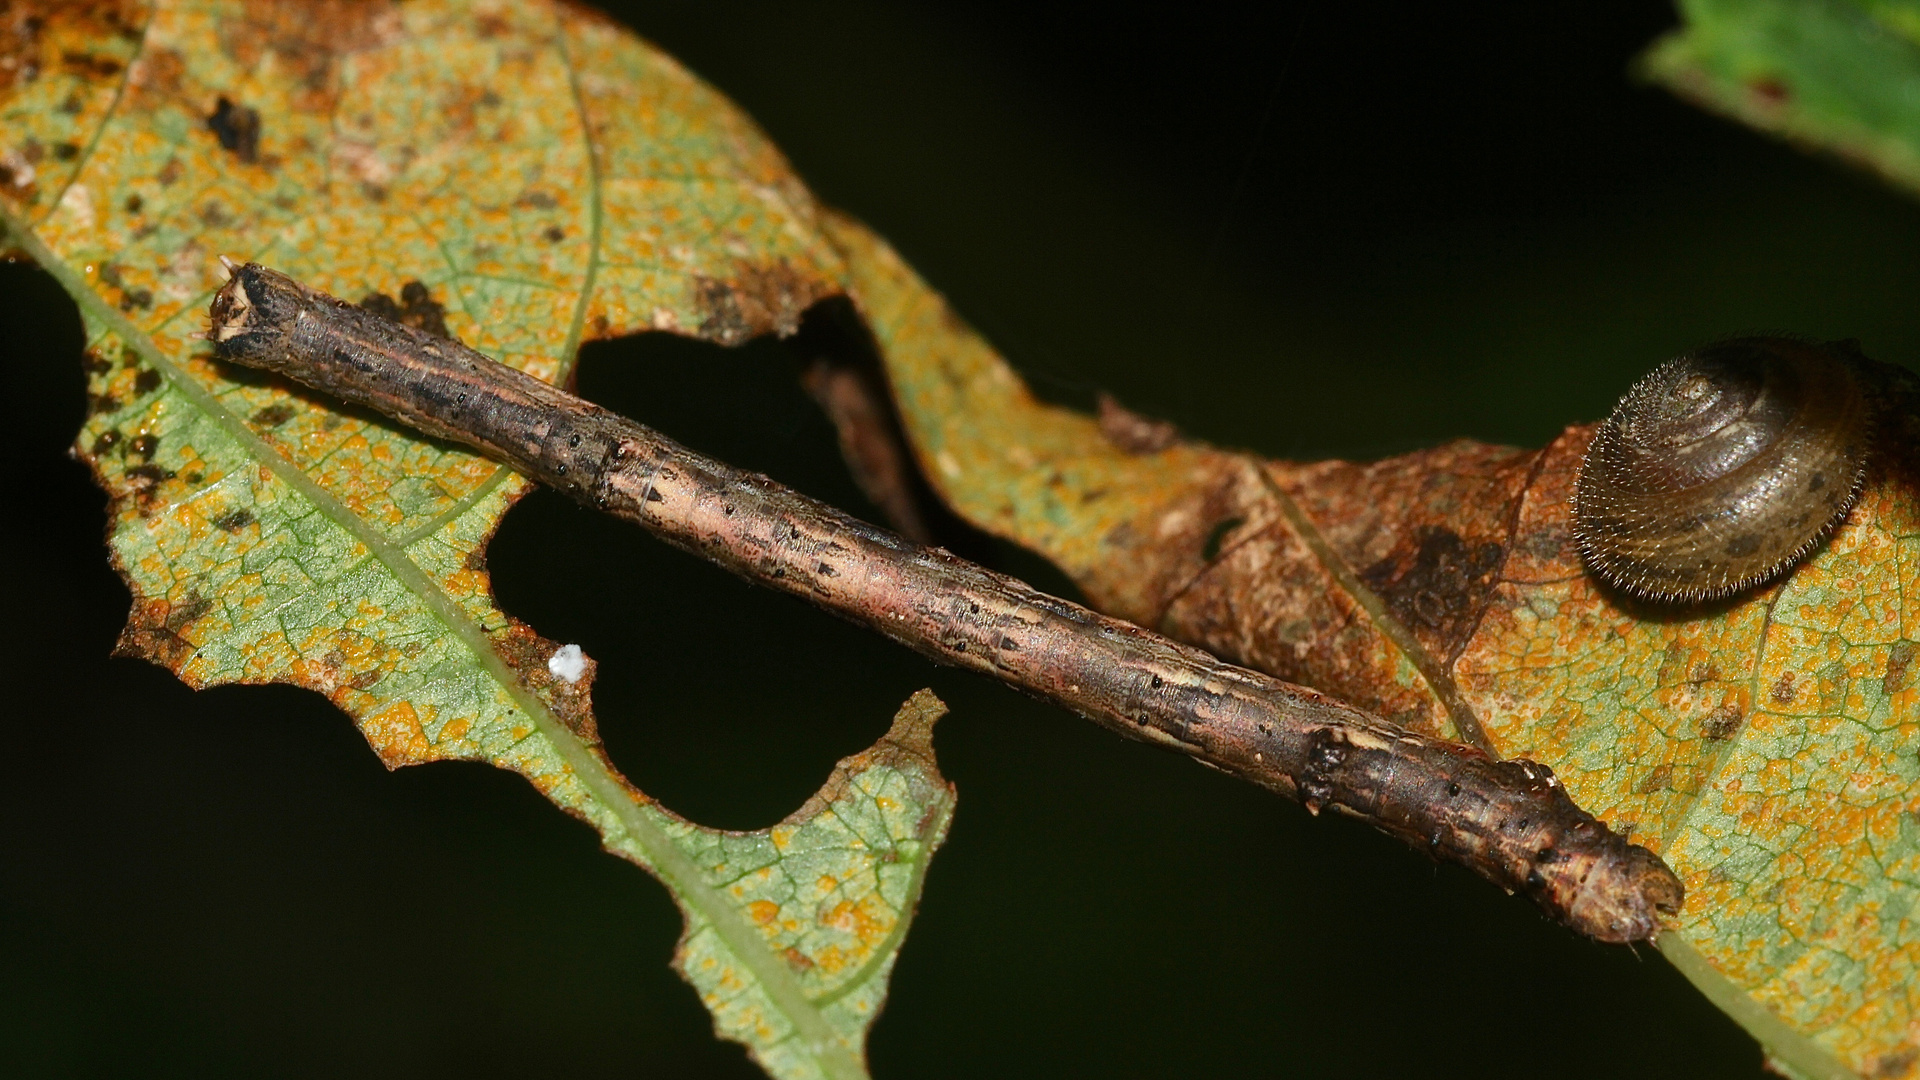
(1308, 230)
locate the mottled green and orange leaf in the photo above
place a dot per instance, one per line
(527, 176)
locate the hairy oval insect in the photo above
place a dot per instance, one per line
(1724, 467)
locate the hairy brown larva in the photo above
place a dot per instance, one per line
(1724, 467)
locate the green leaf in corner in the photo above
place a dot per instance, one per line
(1838, 75)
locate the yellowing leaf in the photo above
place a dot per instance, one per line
(532, 175)
(1768, 749)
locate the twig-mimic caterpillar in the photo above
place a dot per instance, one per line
(1510, 821)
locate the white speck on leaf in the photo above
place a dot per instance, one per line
(567, 663)
(77, 201)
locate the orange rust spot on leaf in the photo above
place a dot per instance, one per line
(396, 735)
(858, 918)
(763, 912)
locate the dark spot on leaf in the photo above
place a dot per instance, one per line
(154, 630)
(757, 299)
(539, 200)
(416, 308)
(1672, 658)
(272, 416)
(1899, 660)
(1722, 722)
(1783, 692)
(1210, 549)
(1896, 1064)
(367, 678)
(65, 151)
(476, 560)
(105, 441)
(147, 477)
(145, 446)
(1769, 90)
(1439, 588)
(72, 105)
(382, 305)
(134, 204)
(238, 129)
(96, 364)
(88, 64)
(102, 403)
(1660, 779)
(214, 216)
(146, 382)
(235, 521)
(170, 172)
(554, 234)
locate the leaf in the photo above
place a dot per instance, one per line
(1841, 75)
(1769, 749)
(532, 175)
